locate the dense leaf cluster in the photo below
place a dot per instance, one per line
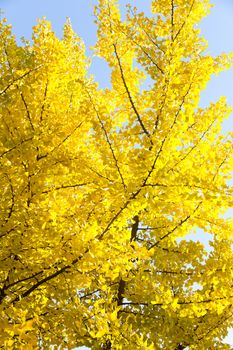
(99, 188)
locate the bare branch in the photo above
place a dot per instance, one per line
(130, 97)
(172, 20)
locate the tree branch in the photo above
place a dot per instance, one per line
(130, 97)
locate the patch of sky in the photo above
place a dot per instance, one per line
(229, 337)
(219, 40)
(101, 72)
(138, 146)
(211, 94)
(230, 182)
(199, 236)
(196, 286)
(228, 214)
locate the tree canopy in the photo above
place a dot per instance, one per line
(100, 188)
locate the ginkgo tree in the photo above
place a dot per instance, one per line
(100, 188)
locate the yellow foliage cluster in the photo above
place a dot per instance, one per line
(100, 187)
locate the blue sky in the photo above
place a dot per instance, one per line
(217, 28)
